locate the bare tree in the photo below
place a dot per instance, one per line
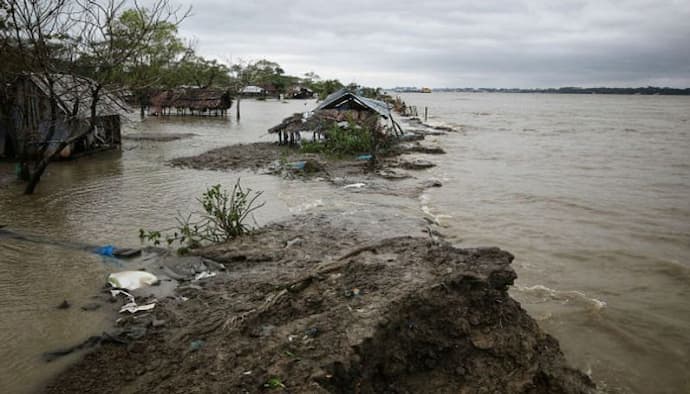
(38, 26)
(85, 38)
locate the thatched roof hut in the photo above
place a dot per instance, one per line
(196, 100)
(340, 106)
(300, 92)
(320, 120)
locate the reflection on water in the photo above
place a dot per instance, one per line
(589, 192)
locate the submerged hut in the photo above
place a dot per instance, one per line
(26, 124)
(341, 106)
(252, 91)
(300, 92)
(191, 101)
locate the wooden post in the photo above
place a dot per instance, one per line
(238, 107)
(426, 113)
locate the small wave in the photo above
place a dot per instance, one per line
(549, 294)
(436, 218)
(306, 206)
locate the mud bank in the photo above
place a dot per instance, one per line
(400, 161)
(281, 159)
(310, 305)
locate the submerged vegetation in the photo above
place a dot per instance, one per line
(224, 217)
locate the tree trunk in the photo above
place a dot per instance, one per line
(41, 166)
(37, 173)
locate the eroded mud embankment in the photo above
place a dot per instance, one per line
(309, 306)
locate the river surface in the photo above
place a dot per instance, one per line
(591, 194)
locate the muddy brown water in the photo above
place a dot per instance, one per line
(589, 192)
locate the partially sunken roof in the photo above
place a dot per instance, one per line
(343, 99)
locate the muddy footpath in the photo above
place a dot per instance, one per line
(325, 303)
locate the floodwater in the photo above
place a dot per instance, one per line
(591, 193)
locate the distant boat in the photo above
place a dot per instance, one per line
(425, 90)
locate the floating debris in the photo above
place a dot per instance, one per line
(132, 280)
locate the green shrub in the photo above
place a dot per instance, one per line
(350, 140)
(224, 217)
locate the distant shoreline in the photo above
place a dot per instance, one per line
(647, 91)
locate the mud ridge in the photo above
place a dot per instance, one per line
(311, 305)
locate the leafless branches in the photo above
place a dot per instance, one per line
(80, 49)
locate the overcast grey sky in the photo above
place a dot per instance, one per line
(455, 43)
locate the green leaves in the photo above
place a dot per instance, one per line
(274, 383)
(351, 140)
(224, 216)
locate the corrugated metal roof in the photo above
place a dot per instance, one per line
(72, 89)
(338, 98)
(252, 89)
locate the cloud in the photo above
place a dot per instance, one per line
(437, 43)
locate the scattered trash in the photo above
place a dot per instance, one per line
(352, 293)
(131, 280)
(132, 307)
(196, 345)
(247, 373)
(64, 305)
(126, 253)
(204, 275)
(116, 293)
(298, 165)
(364, 157)
(354, 186)
(106, 250)
(312, 332)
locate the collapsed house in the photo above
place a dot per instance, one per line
(191, 101)
(341, 106)
(26, 125)
(300, 93)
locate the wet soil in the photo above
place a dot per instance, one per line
(312, 305)
(285, 160)
(289, 162)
